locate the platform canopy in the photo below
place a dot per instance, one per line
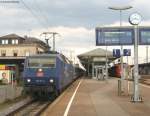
(93, 58)
(97, 55)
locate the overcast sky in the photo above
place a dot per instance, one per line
(75, 20)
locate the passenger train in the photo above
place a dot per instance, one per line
(48, 74)
(115, 71)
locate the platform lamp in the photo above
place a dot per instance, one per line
(135, 20)
(120, 9)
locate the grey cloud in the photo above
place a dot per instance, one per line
(70, 13)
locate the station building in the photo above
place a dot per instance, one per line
(13, 50)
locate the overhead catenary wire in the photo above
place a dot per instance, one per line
(34, 15)
(41, 12)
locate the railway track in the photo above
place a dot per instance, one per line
(34, 108)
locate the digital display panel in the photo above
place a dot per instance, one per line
(114, 36)
(144, 36)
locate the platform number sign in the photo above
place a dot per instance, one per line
(116, 53)
(127, 52)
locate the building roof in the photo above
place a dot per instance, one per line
(96, 55)
(32, 39)
(29, 40)
(11, 36)
(25, 39)
(99, 52)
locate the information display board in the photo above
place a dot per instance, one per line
(144, 36)
(114, 36)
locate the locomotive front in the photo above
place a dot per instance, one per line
(39, 74)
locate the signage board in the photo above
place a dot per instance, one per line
(144, 36)
(126, 52)
(99, 59)
(2, 67)
(116, 53)
(114, 36)
(5, 76)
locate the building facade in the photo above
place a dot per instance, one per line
(13, 51)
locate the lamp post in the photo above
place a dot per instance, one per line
(134, 20)
(106, 64)
(147, 53)
(120, 9)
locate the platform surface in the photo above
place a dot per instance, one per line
(99, 98)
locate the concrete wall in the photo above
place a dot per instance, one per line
(7, 92)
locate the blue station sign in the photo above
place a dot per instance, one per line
(126, 52)
(116, 53)
(114, 36)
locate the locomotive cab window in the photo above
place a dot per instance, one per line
(41, 62)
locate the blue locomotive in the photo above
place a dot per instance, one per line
(47, 74)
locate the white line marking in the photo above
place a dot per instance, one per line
(71, 100)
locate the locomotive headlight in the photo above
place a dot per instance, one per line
(51, 80)
(28, 80)
(40, 70)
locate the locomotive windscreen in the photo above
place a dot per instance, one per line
(41, 62)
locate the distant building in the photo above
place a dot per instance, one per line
(14, 49)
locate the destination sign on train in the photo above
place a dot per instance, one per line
(114, 36)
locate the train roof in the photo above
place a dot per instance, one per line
(61, 56)
(43, 55)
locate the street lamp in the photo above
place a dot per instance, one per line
(121, 9)
(134, 20)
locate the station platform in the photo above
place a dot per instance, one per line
(88, 97)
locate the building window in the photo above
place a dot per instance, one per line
(14, 41)
(27, 53)
(3, 53)
(15, 53)
(4, 41)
